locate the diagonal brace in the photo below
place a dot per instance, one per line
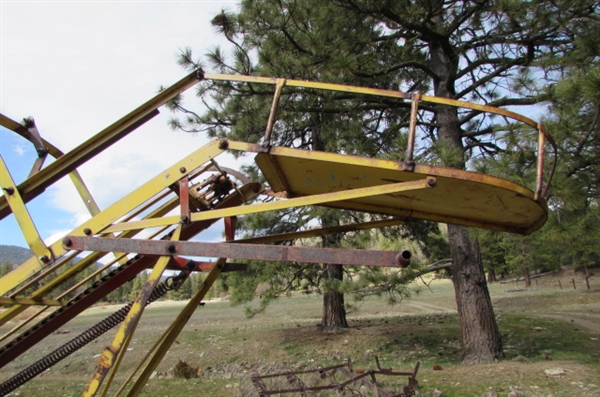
(316, 199)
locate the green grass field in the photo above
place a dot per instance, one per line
(544, 328)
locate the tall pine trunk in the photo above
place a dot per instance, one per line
(481, 339)
(334, 312)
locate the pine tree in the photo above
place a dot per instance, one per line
(569, 238)
(137, 284)
(491, 52)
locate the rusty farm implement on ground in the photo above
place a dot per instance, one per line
(152, 227)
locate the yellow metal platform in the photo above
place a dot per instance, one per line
(459, 197)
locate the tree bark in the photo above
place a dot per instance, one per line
(527, 277)
(491, 276)
(334, 312)
(481, 339)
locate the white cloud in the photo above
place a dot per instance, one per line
(20, 150)
(77, 67)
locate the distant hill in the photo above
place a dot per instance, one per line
(14, 255)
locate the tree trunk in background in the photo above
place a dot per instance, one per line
(491, 276)
(527, 277)
(334, 312)
(481, 339)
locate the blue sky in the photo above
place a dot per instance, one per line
(78, 66)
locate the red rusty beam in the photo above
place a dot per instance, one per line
(337, 256)
(183, 264)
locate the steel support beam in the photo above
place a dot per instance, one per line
(316, 199)
(238, 251)
(18, 208)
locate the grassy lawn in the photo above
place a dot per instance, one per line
(544, 329)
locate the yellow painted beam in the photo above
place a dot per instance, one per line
(167, 339)
(13, 197)
(351, 194)
(372, 92)
(31, 301)
(111, 353)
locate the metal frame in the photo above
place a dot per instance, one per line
(177, 208)
(294, 385)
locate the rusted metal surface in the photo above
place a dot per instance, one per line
(409, 164)
(238, 251)
(184, 198)
(339, 379)
(403, 258)
(179, 263)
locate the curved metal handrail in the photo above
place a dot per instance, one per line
(415, 98)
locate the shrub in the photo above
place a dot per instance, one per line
(184, 370)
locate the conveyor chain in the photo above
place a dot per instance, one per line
(87, 336)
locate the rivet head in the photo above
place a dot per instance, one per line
(223, 144)
(87, 231)
(182, 170)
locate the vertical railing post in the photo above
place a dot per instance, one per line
(409, 164)
(540, 162)
(266, 142)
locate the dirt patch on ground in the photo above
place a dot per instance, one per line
(531, 379)
(582, 308)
